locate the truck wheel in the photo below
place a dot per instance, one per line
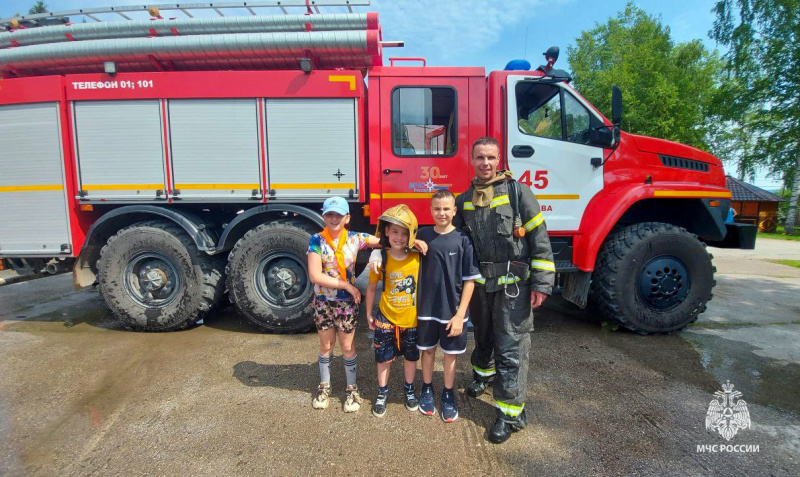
(153, 277)
(268, 277)
(652, 278)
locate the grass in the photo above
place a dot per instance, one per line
(781, 236)
(791, 263)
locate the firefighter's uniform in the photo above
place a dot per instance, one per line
(501, 304)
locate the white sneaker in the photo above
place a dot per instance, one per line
(320, 400)
(353, 401)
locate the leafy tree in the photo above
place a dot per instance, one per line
(38, 7)
(763, 38)
(668, 87)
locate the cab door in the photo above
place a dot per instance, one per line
(548, 148)
(423, 140)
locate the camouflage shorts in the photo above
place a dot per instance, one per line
(341, 315)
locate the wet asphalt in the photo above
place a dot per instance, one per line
(79, 395)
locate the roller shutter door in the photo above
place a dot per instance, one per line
(33, 206)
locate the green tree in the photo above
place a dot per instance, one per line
(668, 87)
(763, 38)
(38, 7)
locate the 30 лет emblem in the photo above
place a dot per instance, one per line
(727, 414)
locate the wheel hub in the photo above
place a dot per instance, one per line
(281, 279)
(664, 282)
(151, 280)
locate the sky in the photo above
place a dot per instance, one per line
(487, 33)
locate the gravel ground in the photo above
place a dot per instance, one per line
(81, 396)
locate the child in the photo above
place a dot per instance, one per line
(448, 273)
(447, 276)
(396, 320)
(331, 262)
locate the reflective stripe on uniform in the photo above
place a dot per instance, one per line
(468, 206)
(543, 265)
(503, 280)
(534, 222)
(483, 372)
(499, 200)
(509, 409)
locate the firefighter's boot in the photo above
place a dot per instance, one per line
(500, 431)
(504, 425)
(476, 388)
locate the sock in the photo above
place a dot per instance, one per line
(408, 387)
(325, 368)
(427, 385)
(350, 367)
(383, 390)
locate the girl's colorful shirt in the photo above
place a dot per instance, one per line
(355, 241)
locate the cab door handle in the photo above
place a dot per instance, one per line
(389, 171)
(522, 151)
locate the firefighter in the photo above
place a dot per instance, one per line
(505, 222)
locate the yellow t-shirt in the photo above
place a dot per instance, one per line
(399, 298)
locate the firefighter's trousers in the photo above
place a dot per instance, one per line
(502, 327)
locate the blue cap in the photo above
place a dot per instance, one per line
(336, 204)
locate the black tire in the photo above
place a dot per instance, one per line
(652, 278)
(165, 245)
(258, 262)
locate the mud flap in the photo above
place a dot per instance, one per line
(576, 287)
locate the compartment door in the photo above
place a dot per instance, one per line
(312, 147)
(120, 149)
(214, 148)
(33, 206)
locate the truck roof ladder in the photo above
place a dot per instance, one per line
(188, 9)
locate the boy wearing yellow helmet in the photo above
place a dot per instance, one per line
(395, 323)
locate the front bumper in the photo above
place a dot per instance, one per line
(737, 236)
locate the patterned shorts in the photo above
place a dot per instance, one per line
(391, 341)
(341, 315)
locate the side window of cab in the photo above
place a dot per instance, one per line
(424, 122)
(546, 110)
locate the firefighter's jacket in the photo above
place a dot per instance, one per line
(492, 231)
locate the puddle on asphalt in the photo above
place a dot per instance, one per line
(94, 316)
(706, 361)
(761, 380)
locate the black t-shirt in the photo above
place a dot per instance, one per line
(450, 260)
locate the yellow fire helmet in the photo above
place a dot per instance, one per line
(399, 215)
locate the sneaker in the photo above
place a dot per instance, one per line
(426, 402)
(411, 398)
(449, 409)
(379, 406)
(353, 401)
(476, 388)
(320, 400)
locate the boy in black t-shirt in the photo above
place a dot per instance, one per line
(445, 287)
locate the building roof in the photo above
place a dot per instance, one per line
(742, 191)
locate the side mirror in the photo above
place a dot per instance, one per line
(616, 105)
(601, 136)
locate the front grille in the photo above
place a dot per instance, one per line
(681, 163)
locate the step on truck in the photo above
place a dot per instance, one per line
(174, 160)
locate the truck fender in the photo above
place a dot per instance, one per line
(84, 273)
(257, 215)
(605, 210)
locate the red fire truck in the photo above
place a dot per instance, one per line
(177, 159)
